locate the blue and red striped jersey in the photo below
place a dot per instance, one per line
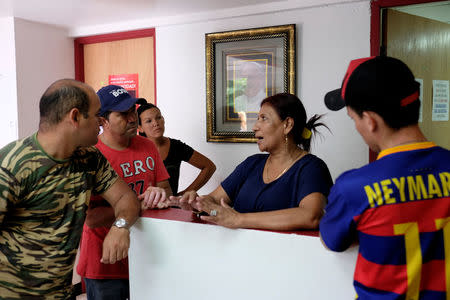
(398, 210)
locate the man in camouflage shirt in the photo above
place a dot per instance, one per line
(46, 181)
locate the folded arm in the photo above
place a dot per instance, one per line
(99, 215)
(306, 216)
(207, 168)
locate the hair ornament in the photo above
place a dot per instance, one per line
(306, 134)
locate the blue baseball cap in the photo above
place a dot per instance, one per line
(115, 98)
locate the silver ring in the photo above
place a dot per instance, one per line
(213, 213)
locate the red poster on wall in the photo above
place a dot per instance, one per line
(129, 82)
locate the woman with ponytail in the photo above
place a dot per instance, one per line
(172, 151)
(285, 189)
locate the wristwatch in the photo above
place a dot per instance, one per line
(121, 223)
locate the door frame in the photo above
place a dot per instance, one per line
(110, 37)
(376, 30)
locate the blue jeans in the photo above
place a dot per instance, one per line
(107, 289)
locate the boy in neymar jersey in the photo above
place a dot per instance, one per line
(137, 161)
(45, 184)
(397, 207)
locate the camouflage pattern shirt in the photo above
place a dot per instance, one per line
(43, 204)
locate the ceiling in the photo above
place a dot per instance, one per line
(79, 13)
(74, 13)
(439, 11)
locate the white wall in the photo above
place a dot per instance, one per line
(8, 111)
(328, 37)
(44, 54)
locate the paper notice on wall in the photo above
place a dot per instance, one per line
(130, 82)
(420, 97)
(440, 100)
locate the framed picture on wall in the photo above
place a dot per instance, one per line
(242, 68)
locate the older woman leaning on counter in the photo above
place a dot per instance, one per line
(285, 189)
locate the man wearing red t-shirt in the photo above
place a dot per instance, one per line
(137, 161)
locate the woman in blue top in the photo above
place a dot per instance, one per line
(285, 189)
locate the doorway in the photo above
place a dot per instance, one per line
(414, 32)
(125, 58)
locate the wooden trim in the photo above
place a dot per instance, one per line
(118, 36)
(375, 28)
(392, 3)
(79, 60)
(154, 63)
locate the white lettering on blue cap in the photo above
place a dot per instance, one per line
(118, 92)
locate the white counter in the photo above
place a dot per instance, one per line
(187, 259)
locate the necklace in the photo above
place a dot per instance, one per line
(282, 172)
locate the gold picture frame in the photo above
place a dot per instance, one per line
(242, 68)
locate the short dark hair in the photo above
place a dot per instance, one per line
(288, 105)
(106, 114)
(395, 117)
(381, 84)
(143, 107)
(62, 96)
